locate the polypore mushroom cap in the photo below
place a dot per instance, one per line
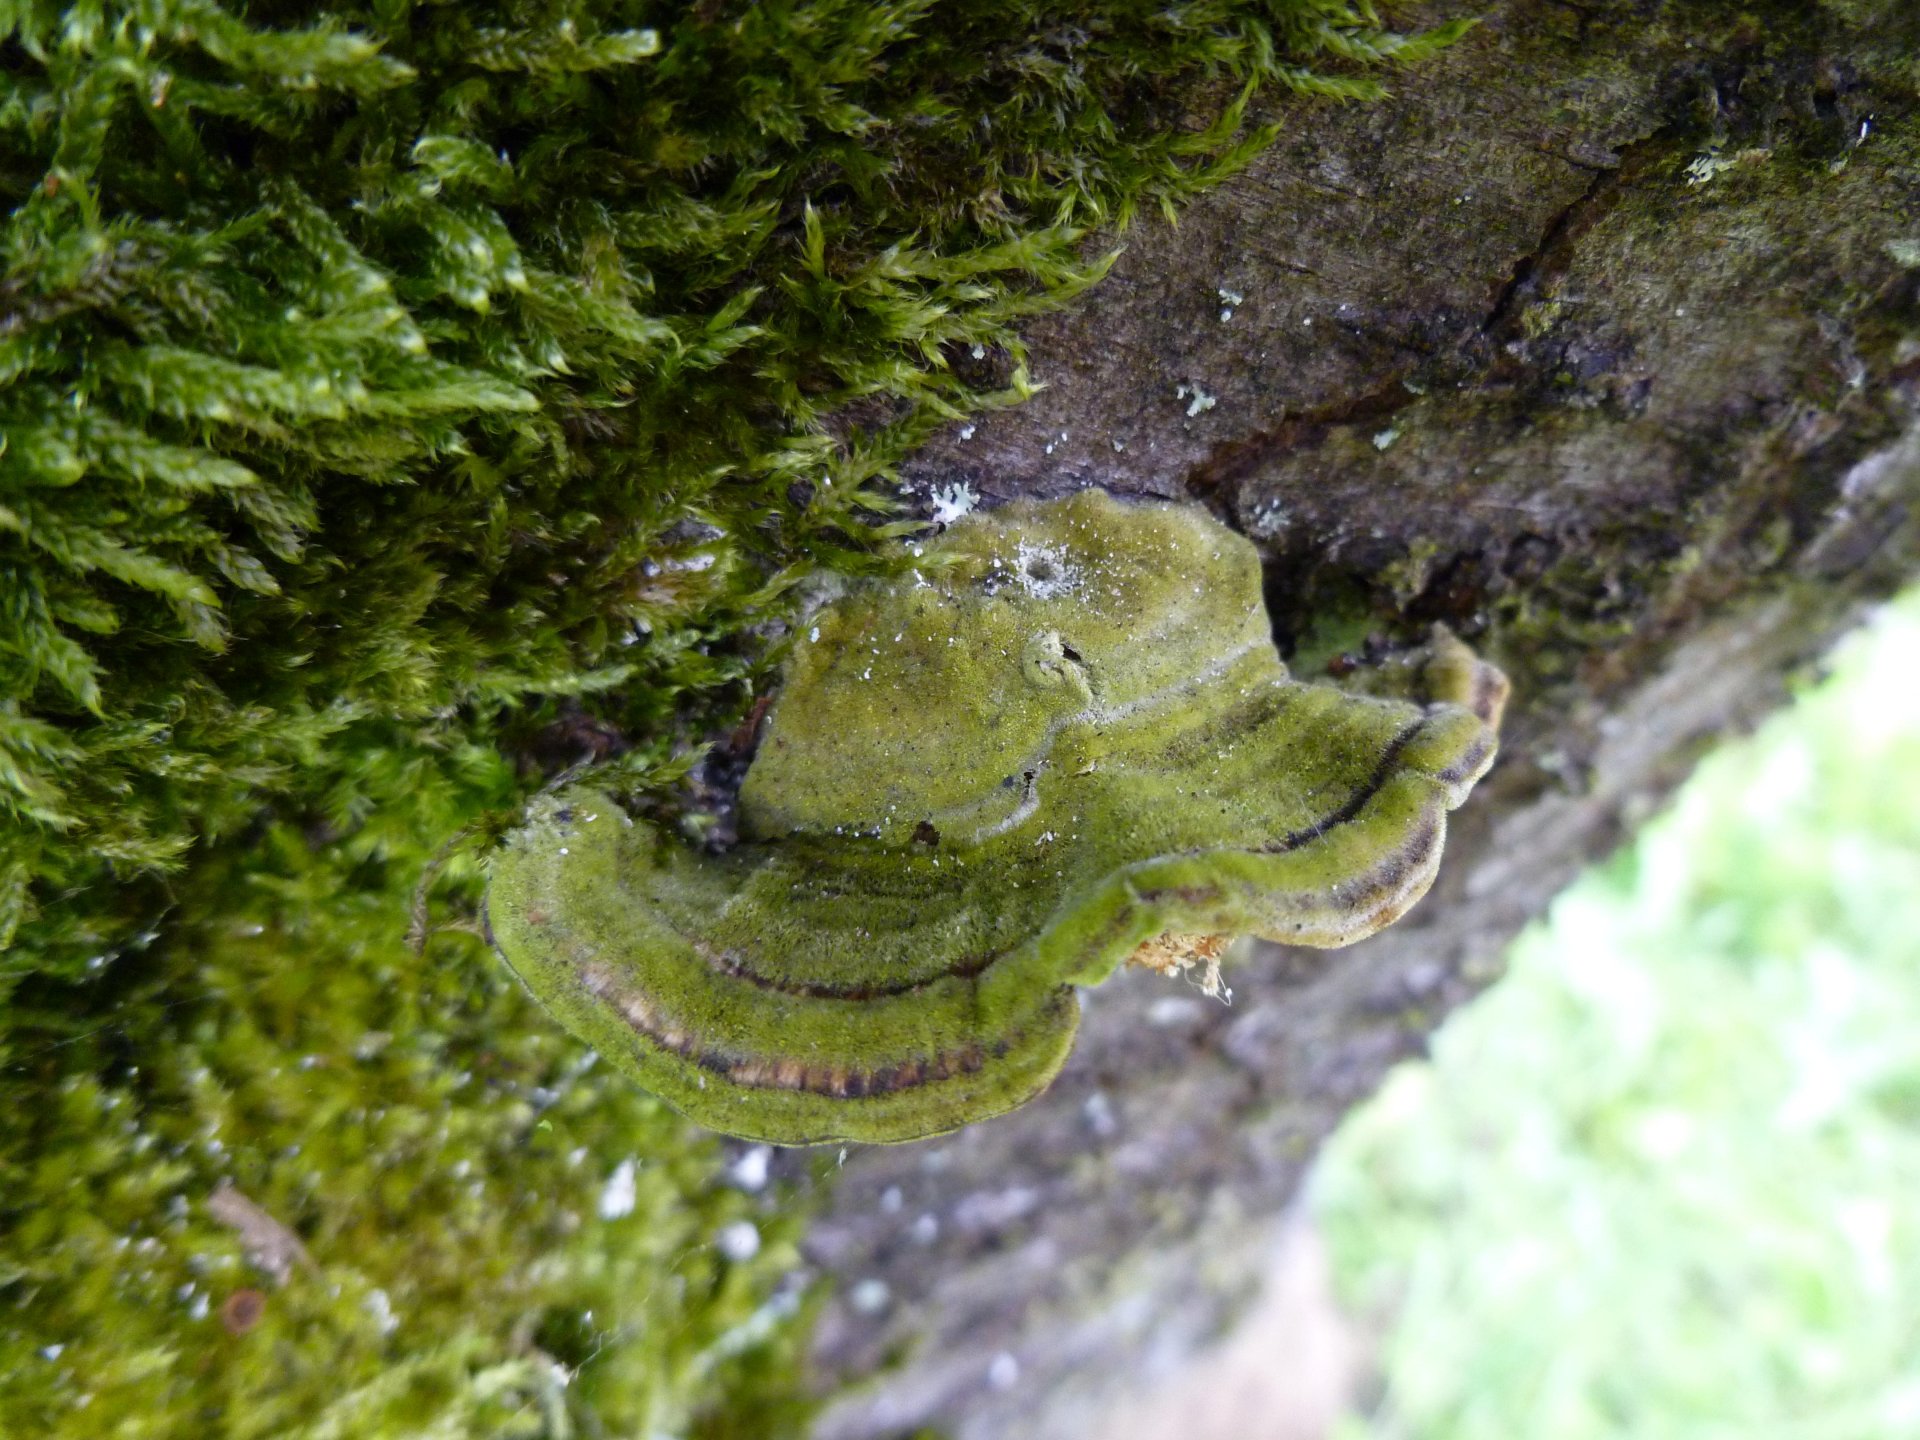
(1066, 735)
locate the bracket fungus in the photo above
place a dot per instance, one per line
(1064, 741)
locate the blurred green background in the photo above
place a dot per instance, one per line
(1664, 1179)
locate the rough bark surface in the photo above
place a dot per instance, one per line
(1600, 342)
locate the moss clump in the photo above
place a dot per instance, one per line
(398, 399)
(494, 1243)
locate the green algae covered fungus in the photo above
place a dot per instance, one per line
(1065, 738)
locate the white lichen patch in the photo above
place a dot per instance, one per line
(1712, 163)
(950, 502)
(1199, 401)
(1269, 519)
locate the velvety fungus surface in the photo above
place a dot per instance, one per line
(1063, 736)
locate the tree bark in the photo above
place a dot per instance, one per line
(1599, 342)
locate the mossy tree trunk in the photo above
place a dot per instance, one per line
(1600, 343)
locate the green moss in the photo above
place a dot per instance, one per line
(450, 1166)
(401, 402)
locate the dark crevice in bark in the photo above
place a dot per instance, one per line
(1561, 232)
